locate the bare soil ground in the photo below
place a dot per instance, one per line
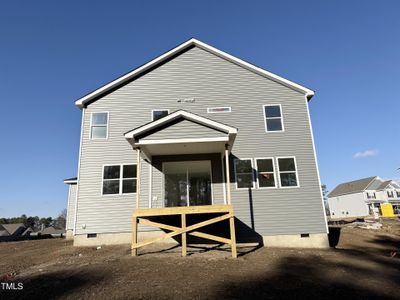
(359, 267)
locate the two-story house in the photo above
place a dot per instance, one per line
(167, 133)
(363, 197)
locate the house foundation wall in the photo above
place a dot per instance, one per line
(69, 234)
(277, 241)
(117, 238)
(319, 240)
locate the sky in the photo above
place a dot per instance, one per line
(54, 52)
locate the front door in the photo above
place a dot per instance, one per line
(187, 183)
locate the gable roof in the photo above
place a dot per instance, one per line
(351, 187)
(13, 228)
(179, 114)
(92, 96)
(383, 185)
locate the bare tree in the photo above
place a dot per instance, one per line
(61, 220)
(325, 197)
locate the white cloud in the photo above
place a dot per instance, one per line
(366, 153)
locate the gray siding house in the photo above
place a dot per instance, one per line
(183, 110)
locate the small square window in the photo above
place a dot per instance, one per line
(119, 179)
(158, 114)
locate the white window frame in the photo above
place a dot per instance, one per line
(91, 124)
(153, 110)
(252, 173)
(121, 178)
(279, 173)
(209, 110)
(273, 172)
(265, 118)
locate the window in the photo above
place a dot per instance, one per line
(99, 125)
(273, 118)
(117, 182)
(398, 194)
(243, 173)
(158, 114)
(287, 172)
(215, 110)
(390, 194)
(371, 195)
(265, 173)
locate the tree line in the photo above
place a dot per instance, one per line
(37, 223)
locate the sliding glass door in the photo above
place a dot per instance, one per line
(187, 183)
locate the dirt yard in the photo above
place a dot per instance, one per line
(359, 267)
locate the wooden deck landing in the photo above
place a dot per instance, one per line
(225, 212)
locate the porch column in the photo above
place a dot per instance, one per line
(228, 179)
(137, 177)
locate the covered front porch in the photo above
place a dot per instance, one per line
(189, 156)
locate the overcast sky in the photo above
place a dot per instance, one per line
(53, 52)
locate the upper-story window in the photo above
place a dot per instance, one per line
(371, 195)
(273, 118)
(287, 170)
(99, 125)
(158, 114)
(390, 194)
(244, 173)
(398, 194)
(265, 173)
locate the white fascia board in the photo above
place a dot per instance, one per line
(178, 114)
(309, 93)
(70, 181)
(180, 141)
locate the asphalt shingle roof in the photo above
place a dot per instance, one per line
(351, 187)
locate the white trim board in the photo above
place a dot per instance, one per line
(178, 141)
(82, 102)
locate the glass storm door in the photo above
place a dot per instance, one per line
(187, 183)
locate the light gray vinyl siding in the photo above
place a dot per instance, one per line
(71, 206)
(211, 81)
(184, 129)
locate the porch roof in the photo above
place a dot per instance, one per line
(182, 132)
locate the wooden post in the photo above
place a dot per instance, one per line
(134, 234)
(228, 175)
(134, 219)
(233, 236)
(183, 221)
(137, 177)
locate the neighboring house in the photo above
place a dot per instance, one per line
(363, 197)
(184, 110)
(54, 232)
(14, 231)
